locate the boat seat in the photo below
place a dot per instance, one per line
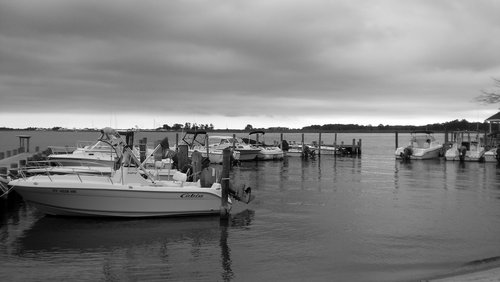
(179, 176)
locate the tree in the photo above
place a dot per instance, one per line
(248, 127)
(492, 95)
(177, 126)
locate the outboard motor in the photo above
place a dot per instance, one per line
(406, 154)
(242, 194)
(462, 153)
(285, 146)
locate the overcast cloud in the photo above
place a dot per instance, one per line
(231, 63)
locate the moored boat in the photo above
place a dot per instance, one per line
(246, 152)
(466, 146)
(130, 192)
(492, 154)
(422, 146)
(197, 141)
(267, 152)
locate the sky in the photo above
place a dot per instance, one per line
(232, 63)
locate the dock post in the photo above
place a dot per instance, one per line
(206, 147)
(359, 146)
(142, 149)
(396, 139)
(177, 141)
(281, 141)
(319, 144)
(196, 160)
(226, 166)
(182, 156)
(303, 144)
(234, 141)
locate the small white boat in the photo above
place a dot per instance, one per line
(247, 152)
(300, 150)
(130, 192)
(327, 150)
(422, 146)
(466, 146)
(99, 153)
(100, 157)
(197, 140)
(492, 154)
(266, 152)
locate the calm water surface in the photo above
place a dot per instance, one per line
(368, 218)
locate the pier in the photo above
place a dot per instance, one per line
(13, 159)
(320, 148)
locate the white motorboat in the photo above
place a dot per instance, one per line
(97, 153)
(100, 157)
(422, 146)
(266, 152)
(492, 154)
(130, 192)
(197, 140)
(327, 150)
(247, 152)
(466, 146)
(300, 150)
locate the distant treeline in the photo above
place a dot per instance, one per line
(454, 125)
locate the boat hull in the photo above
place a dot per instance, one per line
(248, 155)
(115, 200)
(421, 154)
(270, 154)
(470, 156)
(490, 156)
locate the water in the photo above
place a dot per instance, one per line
(368, 218)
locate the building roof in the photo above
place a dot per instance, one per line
(495, 117)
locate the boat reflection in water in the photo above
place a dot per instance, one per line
(157, 248)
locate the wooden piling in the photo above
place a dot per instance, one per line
(142, 151)
(207, 147)
(177, 141)
(182, 156)
(226, 166)
(396, 140)
(319, 144)
(196, 160)
(303, 144)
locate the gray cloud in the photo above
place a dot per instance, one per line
(326, 59)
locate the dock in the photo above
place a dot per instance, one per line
(13, 159)
(320, 148)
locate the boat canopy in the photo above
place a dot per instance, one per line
(256, 132)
